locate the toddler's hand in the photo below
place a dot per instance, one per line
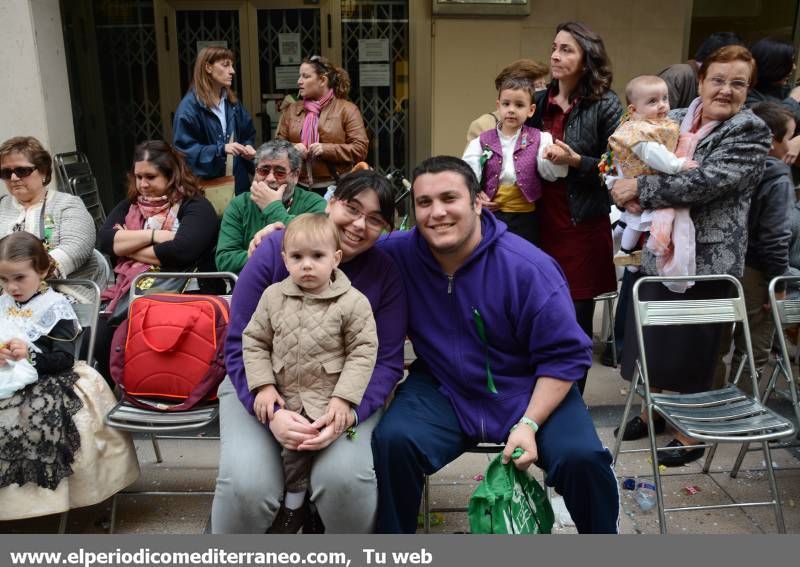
(264, 404)
(18, 349)
(337, 413)
(689, 164)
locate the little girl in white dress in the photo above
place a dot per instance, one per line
(56, 452)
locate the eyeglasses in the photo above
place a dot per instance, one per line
(278, 172)
(735, 85)
(20, 172)
(373, 221)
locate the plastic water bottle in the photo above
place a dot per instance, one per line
(645, 495)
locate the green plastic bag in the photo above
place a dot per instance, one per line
(509, 501)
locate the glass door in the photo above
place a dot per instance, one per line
(287, 32)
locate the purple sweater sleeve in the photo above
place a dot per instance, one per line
(379, 279)
(264, 268)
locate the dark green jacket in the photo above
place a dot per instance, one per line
(243, 218)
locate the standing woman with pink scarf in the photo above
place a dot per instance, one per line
(730, 143)
(325, 127)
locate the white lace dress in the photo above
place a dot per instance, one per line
(56, 452)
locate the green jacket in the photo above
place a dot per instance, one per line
(243, 218)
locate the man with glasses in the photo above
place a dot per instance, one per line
(273, 197)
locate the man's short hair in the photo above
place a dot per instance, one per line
(442, 164)
(775, 116)
(716, 41)
(276, 149)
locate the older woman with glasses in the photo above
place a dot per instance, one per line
(343, 487)
(730, 143)
(273, 197)
(60, 220)
(325, 127)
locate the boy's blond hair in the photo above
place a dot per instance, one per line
(314, 225)
(639, 82)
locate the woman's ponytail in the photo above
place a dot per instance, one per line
(341, 83)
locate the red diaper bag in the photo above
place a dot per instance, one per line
(171, 348)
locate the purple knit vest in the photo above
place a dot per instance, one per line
(525, 153)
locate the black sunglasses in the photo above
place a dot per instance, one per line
(20, 172)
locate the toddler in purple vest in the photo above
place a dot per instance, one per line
(509, 161)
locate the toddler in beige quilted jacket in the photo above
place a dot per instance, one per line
(309, 348)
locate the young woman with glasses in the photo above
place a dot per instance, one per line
(343, 487)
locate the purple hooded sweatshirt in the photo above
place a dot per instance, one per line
(373, 273)
(520, 295)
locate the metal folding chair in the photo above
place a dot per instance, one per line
(610, 340)
(483, 448)
(87, 318)
(161, 424)
(785, 312)
(727, 415)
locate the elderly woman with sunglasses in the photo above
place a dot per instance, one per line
(325, 127)
(60, 220)
(343, 485)
(273, 197)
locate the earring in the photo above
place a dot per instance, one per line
(43, 286)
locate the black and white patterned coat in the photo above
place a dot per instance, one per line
(717, 193)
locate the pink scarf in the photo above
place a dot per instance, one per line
(156, 213)
(672, 236)
(310, 132)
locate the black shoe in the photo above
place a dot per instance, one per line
(636, 428)
(313, 523)
(679, 457)
(287, 521)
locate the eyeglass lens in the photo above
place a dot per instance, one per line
(276, 170)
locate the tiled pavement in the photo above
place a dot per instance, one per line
(190, 467)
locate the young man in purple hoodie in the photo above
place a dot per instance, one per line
(499, 350)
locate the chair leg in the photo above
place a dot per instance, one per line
(156, 448)
(773, 486)
(628, 402)
(710, 457)
(113, 519)
(62, 522)
(739, 458)
(611, 340)
(426, 505)
(651, 433)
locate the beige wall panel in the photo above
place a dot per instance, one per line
(463, 74)
(641, 37)
(34, 68)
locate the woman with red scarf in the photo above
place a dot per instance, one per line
(164, 223)
(325, 127)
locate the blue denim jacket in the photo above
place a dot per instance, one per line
(197, 133)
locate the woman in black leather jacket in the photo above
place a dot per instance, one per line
(581, 112)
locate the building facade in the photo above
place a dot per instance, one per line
(100, 76)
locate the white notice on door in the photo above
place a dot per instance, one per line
(373, 50)
(289, 48)
(374, 75)
(286, 77)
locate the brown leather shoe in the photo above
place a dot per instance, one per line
(287, 521)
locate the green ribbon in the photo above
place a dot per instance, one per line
(481, 328)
